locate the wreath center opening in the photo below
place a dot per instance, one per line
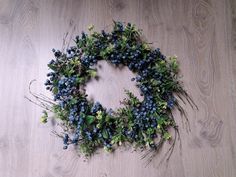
(109, 88)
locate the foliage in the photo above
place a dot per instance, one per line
(90, 126)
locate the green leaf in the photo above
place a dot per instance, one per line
(166, 136)
(52, 67)
(73, 101)
(99, 115)
(105, 134)
(107, 118)
(92, 73)
(44, 118)
(55, 90)
(78, 80)
(90, 119)
(150, 131)
(99, 125)
(174, 64)
(90, 27)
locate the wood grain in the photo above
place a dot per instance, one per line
(202, 33)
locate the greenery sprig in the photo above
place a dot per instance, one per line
(89, 126)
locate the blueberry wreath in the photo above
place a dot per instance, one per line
(88, 125)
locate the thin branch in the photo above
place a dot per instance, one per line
(153, 152)
(36, 103)
(37, 96)
(169, 152)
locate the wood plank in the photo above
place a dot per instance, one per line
(202, 33)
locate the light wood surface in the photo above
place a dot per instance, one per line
(202, 33)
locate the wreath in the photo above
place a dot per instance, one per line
(88, 125)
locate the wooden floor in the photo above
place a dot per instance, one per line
(202, 33)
